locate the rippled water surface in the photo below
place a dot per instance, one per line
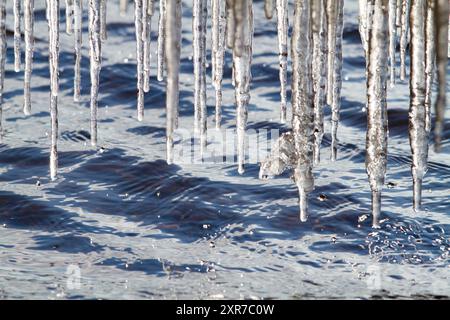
(134, 227)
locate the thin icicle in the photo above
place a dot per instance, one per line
(199, 43)
(2, 58)
(332, 26)
(173, 43)
(161, 39)
(363, 24)
(231, 23)
(441, 21)
(29, 47)
(218, 29)
(240, 27)
(17, 35)
(147, 13)
(53, 25)
(103, 25)
(269, 8)
(95, 63)
(406, 7)
(282, 28)
(377, 73)
(302, 106)
(242, 72)
(337, 79)
(417, 112)
(69, 16)
(319, 31)
(430, 59)
(392, 39)
(123, 7)
(138, 21)
(78, 20)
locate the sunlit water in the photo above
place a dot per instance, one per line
(134, 227)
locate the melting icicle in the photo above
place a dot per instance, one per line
(363, 24)
(302, 107)
(2, 57)
(406, 7)
(138, 21)
(231, 23)
(29, 47)
(161, 38)
(268, 8)
(282, 26)
(242, 59)
(103, 25)
(441, 29)
(17, 35)
(147, 13)
(95, 63)
(78, 19)
(336, 78)
(319, 25)
(200, 14)
(173, 43)
(53, 26)
(430, 58)
(218, 29)
(69, 16)
(392, 39)
(123, 7)
(376, 139)
(332, 23)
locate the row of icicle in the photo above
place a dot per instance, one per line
(316, 57)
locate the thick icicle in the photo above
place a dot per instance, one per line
(218, 29)
(319, 32)
(95, 63)
(53, 26)
(123, 7)
(161, 38)
(242, 72)
(103, 25)
(173, 43)
(337, 78)
(406, 7)
(442, 21)
(78, 19)
(392, 39)
(147, 13)
(231, 23)
(138, 14)
(302, 106)
(69, 16)
(29, 47)
(268, 8)
(283, 26)
(17, 35)
(199, 43)
(2, 57)
(376, 139)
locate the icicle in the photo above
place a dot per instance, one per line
(199, 43)
(337, 79)
(161, 38)
(283, 26)
(441, 28)
(69, 16)
(239, 34)
(392, 39)
(406, 7)
(29, 47)
(268, 8)
(231, 23)
(123, 7)
(332, 24)
(103, 25)
(53, 24)
(2, 58)
(138, 14)
(430, 58)
(302, 106)
(218, 22)
(363, 24)
(376, 140)
(78, 19)
(95, 63)
(173, 43)
(147, 13)
(319, 25)
(17, 35)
